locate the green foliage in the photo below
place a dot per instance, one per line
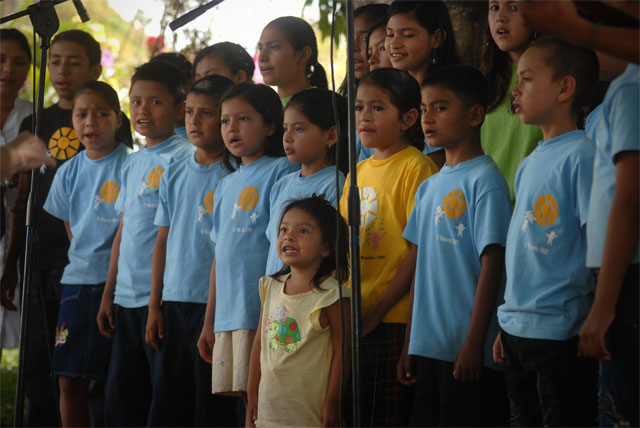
(324, 24)
(8, 379)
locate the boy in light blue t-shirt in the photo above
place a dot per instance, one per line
(182, 258)
(458, 229)
(549, 290)
(156, 97)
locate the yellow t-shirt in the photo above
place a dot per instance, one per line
(295, 360)
(387, 196)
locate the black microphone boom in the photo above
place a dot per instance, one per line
(192, 14)
(82, 12)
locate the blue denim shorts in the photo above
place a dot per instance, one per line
(80, 350)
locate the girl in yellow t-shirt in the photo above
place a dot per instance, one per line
(387, 105)
(294, 377)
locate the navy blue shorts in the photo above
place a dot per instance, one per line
(80, 350)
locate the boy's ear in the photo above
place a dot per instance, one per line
(567, 88)
(95, 71)
(476, 115)
(439, 36)
(409, 118)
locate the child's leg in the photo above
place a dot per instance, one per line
(619, 377)
(128, 393)
(74, 402)
(426, 405)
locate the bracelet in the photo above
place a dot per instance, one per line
(594, 29)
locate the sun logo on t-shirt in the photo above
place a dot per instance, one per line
(109, 191)
(64, 143)
(545, 210)
(248, 198)
(208, 201)
(153, 179)
(454, 204)
(368, 205)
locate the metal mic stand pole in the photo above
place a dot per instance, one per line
(45, 23)
(354, 223)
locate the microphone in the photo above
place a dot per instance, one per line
(82, 12)
(193, 14)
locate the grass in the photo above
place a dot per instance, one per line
(8, 380)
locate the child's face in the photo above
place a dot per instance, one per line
(361, 26)
(278, 62)
(378, 121)
(96, 123)
(299, 241)
(202, 121)
(378, 57)
(303, 141)
(508, 28)
(243, 130)
(444, 118)
(409, 44)
(69, 68)
(14, 66)
(536, 93)
(153, 112)
(211, 64)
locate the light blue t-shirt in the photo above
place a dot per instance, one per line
(618, 132)
(292, 187)
(592, 122)
(366, 153)
(549, 293)
(182, 132)
(458, 213)
(186, 207)
(83, 193)
(240, 219)
(141, 176)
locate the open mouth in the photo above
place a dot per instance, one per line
(91, 137)
(144, 122)
(289, 250)
(501, 32)
(429, 133)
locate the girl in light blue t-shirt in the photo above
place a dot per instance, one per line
(251, 127)
(83, 195)
(311, 139)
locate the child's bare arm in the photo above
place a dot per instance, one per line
(255, 373)
(399, 286)
(468, 364)
(155, 320)
(105, 320)
(619, 247)
(205, 342)
(331, 405)
(404, 367)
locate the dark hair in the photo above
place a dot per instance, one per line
(178, 60)
(84, 39)
(317, 106)
(329, 222)
(232, 54)
(432, 15)
(111, 97)
(373, 11)
(380, 22)
(266, 102)
(404, 93)
(566, 59)
(163, 72)
(18, 37)
(299, 34)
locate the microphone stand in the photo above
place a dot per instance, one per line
(192, 14)
(45, 23)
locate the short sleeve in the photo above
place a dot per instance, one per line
(217, 201)
(262, 288)
(58, 203)
(419, 172)
(344, 200)
(122, 196)
(411, 230)
(491, 219)
(584, 176)
(163, 215)
(624, 124)
(329, 294)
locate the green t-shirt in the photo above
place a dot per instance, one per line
(506, 139)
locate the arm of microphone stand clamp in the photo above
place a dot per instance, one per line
(192, 14)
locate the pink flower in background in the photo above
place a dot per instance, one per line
(154, 44)
(107, 58)
(257, 77)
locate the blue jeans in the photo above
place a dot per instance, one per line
(619, 376)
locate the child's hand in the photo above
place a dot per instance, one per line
(331, 412)
(155, 323)
(205, 343)
(8, 286)
(404, 369)
(468, 364)
(251, 415)
(498, 352)
(592, 333)
(106, 324)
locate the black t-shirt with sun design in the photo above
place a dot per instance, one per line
(63, 144)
